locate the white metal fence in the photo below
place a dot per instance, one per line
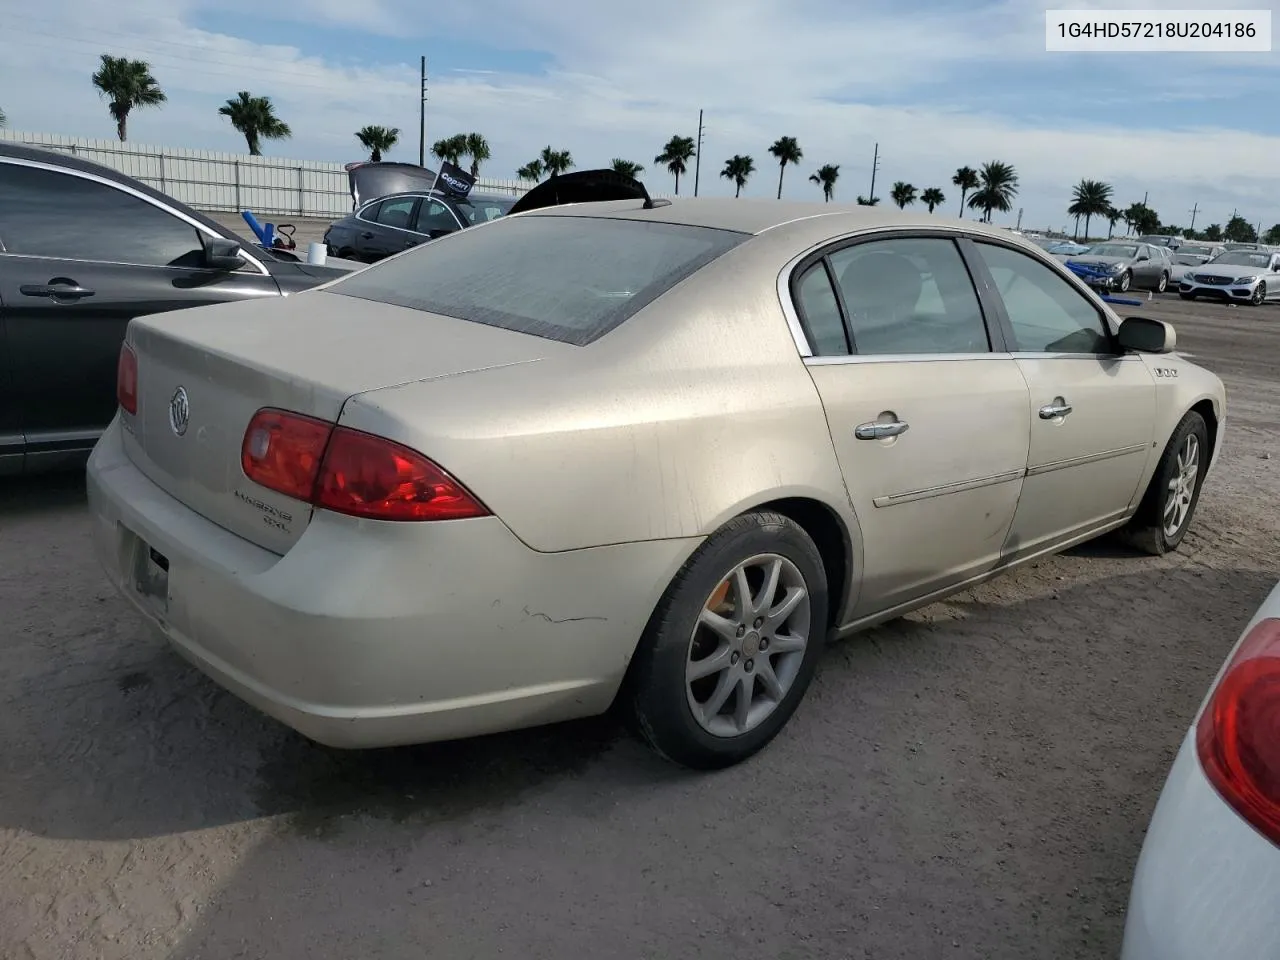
(228, 182)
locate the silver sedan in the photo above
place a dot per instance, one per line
(1208, 880)
(648, 451)
(1245, 276)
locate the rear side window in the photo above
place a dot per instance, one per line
(571, 279)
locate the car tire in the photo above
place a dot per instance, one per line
(1153, 528)
(764, 671)
(1260, 295)
(346, 253)
(1163, 285)
(1126, 280)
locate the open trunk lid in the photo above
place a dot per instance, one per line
(203, 374)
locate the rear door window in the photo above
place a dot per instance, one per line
(565, 278)
(397, 213)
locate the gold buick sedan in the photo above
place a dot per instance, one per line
(645, 452)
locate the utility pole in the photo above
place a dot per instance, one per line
(1019, 226)
(1194, 210)
(422, 113)
(1144, 198)
(875, 165)
(697, 157)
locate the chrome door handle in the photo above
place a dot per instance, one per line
(1052, 411)
(879, 431)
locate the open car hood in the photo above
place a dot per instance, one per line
(581, 186)
(369, 180)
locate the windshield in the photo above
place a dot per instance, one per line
(571, 279)
(1123, 250)
(484, 209)
(1194, 251)
(1242, 258)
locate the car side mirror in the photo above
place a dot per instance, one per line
(220, 254)
(1146, 335)
(438, 233)
(1142, 256)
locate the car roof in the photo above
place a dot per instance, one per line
(757, 216)
(67, 161)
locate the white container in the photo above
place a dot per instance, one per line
(316, 254)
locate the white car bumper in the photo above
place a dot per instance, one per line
(1228, 289)
(1207, 884)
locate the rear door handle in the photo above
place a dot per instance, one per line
(880, 431)
(1053, 411)
(59, 288)
(366, 236)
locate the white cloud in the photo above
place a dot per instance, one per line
(622, 83)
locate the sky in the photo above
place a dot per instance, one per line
(936, 83)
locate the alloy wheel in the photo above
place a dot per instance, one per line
(1182, 486)
(748, 645)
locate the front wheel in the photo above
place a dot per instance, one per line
(1163, 285)
(731, 648)
(1170, 501)
(1260, 295)
(1126, 280)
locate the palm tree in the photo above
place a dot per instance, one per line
(555, 162)
(676, 156)
(786, 150)
(628, 168)
(378, 140)
(450, 149)
(738, 168)
(256, 118)
(933, 197)
(1113, 216)
(998, 185)
(966, 179)
(531, 171)
(864, 202)
(903, 194)
(126, 84)
(477, 150)
(826, 178)
(1089, 199)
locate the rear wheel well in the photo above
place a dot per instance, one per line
(828, 533)
(1205, 409)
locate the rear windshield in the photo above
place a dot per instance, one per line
(571, 279)
(482, 209)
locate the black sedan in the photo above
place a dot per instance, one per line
(83, 249)
(389, 224)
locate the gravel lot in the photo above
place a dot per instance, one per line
(971, 781)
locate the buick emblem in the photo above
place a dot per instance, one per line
(179, 411)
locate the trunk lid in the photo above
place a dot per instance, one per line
(204, 373)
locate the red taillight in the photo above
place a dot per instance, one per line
(127, 379)
(282, 451)
(1238, 736)
(367, 476)
(348, 471)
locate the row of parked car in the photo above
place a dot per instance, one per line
(1233, 272)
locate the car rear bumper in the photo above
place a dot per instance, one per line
(373, 634)
(1207, 884)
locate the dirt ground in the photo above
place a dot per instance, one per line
(972, 781)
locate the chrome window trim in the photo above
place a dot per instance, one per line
(125, 188)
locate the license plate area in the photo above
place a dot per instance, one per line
(151, 574)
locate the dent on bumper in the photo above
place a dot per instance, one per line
(374, 634)
(1207, 884)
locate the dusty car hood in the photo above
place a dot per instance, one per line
(583, 186)
(368, 181)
